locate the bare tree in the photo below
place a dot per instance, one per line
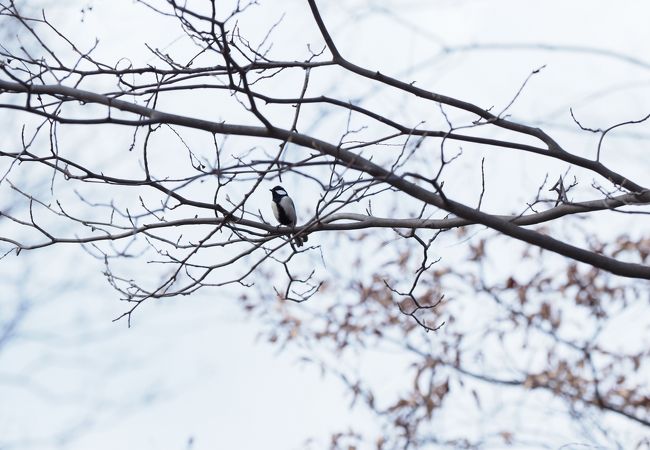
(192, 212)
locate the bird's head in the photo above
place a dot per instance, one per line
(278, 192)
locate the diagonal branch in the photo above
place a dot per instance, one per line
(356, 162)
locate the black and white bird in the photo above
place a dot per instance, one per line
(284, 211)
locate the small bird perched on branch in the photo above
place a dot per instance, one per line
(285, 212)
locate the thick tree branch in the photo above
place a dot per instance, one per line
(355, 162)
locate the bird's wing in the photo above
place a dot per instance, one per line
(289, 209)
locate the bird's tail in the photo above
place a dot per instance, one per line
(300, 240)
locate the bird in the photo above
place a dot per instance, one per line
(284, 211)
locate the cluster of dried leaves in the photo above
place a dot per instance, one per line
(559, 334)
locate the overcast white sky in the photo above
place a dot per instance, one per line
(194, 368)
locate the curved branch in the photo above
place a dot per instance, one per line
(554, 149)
